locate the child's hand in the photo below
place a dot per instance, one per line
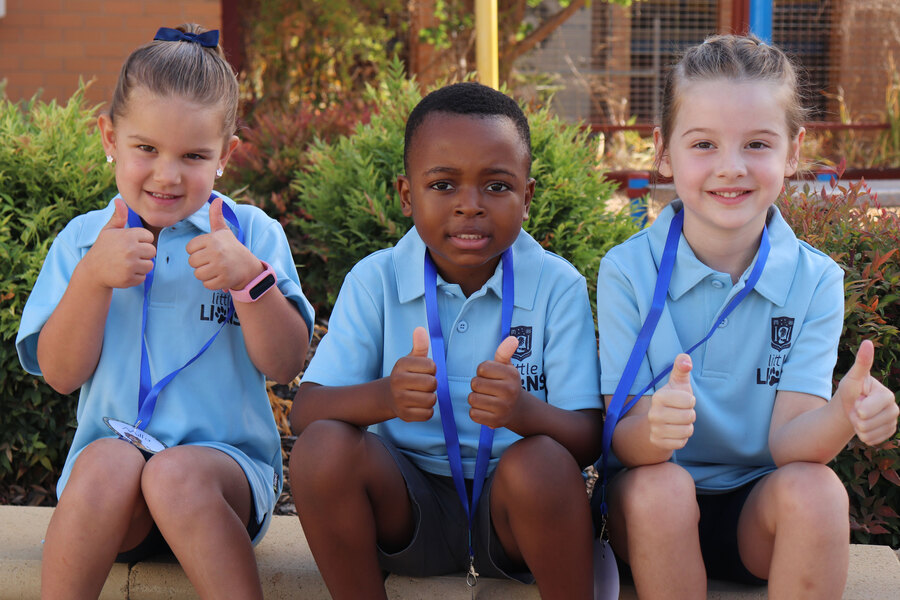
(496, 388)
(413, 382)
(220, 261)
(121, 256)
(671, 414)
(869, 406)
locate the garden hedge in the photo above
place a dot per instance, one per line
(52, 168)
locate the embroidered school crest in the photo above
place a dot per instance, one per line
(782, 329)
(523, 333)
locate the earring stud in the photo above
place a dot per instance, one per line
(219, 172)
(109, 158)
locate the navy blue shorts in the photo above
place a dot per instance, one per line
(440, 539)
(719, 514)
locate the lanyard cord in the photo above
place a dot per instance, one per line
(448, 422)
(148, 393)
(617, 406)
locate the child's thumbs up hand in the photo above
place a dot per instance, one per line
(671, 414)
(219, 260)
(868, 405)
(496, 388)
(119, 218)
(121, 256)
(413, 382)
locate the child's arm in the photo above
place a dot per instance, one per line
(70, 342)
(657, 425)
(805, 428)
(275, 334)
(498, 400)
(407, 393)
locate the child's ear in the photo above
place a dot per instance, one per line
(230, 146)
(107, 134)
(793, 158)
(663, 164)
(529, 195)
(404, 193)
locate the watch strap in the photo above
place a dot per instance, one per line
(260, 284)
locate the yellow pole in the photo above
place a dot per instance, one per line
(486, 53)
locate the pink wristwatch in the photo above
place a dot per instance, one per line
(254, 290)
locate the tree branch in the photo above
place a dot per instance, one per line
(514, 51)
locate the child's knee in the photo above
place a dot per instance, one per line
(108, 455)
(657, 493)
(538, 464)
(169, 475)
(813, 493)
(326, 449)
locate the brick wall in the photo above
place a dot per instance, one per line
(47, 44)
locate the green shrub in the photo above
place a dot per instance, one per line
(352, 208)
(845, 222)
(51, 169)
(274, 147)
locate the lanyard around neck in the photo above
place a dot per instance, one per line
(448, 422)
(148, 393)
(617, 406)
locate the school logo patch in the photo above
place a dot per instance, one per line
(523, 333)
(782, 329)
(217, 310)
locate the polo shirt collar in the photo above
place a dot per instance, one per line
(775, 282)
(96, 221)
(528, 257)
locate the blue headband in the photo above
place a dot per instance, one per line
(207, 39)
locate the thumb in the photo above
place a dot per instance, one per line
(680, 377)
(865, 356)
(119, 218)
(216, 219)
(506, 349)
(420, 342)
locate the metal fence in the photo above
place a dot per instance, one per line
(608, 61)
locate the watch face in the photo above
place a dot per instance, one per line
(265, 283)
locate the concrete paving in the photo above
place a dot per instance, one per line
(287, 570)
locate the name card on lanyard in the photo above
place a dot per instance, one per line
(448, 422)
(617, 406)
(148, 392)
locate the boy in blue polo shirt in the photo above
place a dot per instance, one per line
(395, 497)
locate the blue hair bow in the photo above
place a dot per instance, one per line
(207, 39)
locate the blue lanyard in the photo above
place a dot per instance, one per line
(617, 406)
(448, 422)
(148, 393)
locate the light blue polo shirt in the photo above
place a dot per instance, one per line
(220, 400)
(382, 301)
(783, 336)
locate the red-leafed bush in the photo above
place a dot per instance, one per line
(846, 221)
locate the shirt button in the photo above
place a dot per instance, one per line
(724, 322)
(717, 284)
(462, 326)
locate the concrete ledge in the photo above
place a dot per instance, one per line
(287, 570)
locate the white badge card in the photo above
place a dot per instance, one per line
(138, 437)
(606, 574)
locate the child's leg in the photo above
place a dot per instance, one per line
(540, 512)
(351, 498)
(653, 517)
(100, 513)
(201, 501)
(794, 531)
